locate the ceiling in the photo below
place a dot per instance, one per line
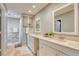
(26, 8)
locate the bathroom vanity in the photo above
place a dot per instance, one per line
(55, 46)
(65, 21)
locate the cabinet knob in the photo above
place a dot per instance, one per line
(56, 54)
(42, 47)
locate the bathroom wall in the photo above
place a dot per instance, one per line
(46, 20)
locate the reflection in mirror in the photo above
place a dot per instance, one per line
(58, 25)
(64, 20)
(38, 25)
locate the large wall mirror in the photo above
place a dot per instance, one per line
(65, 19)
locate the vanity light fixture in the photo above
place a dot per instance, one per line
(33, 6)
(29, 11)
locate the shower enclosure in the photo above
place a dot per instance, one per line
(13, 31)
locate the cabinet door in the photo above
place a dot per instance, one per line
(45, 50)
(42, 50)
(50, 51)
(54, 52)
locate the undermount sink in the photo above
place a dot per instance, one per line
(64, 40)
(37, 33)
(56, 38)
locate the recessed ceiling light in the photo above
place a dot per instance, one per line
(34, 6)
(29, 11)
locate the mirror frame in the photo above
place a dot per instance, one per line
(75, 19)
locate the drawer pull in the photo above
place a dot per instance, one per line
(42, 47)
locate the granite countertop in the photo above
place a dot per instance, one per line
(64, 42)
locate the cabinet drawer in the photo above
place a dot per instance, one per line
(48, 51)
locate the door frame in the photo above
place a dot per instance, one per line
(3, 28)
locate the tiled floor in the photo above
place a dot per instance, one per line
(19, 51)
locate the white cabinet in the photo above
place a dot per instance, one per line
(46, 50)
(42, 50)
(50, 51)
